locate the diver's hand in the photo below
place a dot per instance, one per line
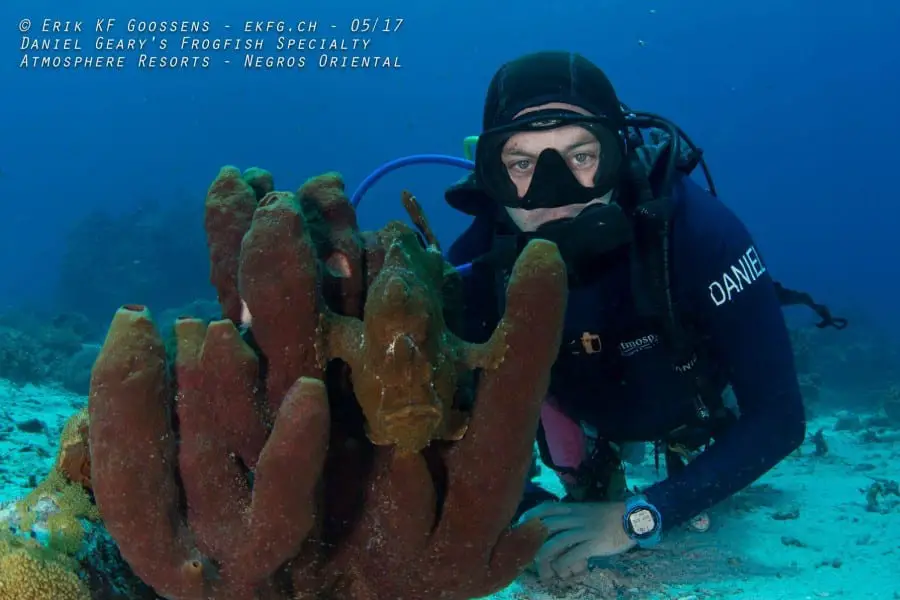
(578, 532)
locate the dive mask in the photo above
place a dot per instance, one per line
(553, 183)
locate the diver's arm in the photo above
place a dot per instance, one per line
(749, 333)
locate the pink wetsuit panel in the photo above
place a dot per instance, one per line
(565, 438)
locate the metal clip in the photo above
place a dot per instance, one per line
(702, 410)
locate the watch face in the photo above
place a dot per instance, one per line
(642, 522)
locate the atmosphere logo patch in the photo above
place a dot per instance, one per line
(640, 344)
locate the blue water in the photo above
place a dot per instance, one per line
(103, 171)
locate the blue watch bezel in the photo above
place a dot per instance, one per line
(634, 504)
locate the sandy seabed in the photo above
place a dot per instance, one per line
(805, 531)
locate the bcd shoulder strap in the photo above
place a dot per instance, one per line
(651, 261)
(652, 291)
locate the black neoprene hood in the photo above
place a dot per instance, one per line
(551, 76)
(533, 80)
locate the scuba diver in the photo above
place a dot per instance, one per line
(670, 303)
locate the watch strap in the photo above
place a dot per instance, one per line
(633, 504)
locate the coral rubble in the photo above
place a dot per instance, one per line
(53, 545)
(326, 452)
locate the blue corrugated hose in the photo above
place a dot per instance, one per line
(416, 159)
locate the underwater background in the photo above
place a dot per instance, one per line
(103, 173)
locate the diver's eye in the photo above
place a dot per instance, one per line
(519, 166)
(584, 159)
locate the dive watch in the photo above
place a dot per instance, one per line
(642, 522)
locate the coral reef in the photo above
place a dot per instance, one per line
(347, 445)
(25, 575)
(19, 357)
(52, 544)
(152, 250)
(55, 549)
(74, 374)
(37, 348)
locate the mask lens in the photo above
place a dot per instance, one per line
(510, 172)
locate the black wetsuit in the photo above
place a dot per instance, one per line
(619, 378)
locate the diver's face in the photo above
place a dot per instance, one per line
(576, 145)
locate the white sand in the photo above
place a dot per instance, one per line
(25, 452)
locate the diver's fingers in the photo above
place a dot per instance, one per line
(556, 546)
(562, 523)
(574, 562)
(546, 509)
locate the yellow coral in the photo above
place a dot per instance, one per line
(71, 499)
(70, 433)
(65, 534)
(24, 576)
